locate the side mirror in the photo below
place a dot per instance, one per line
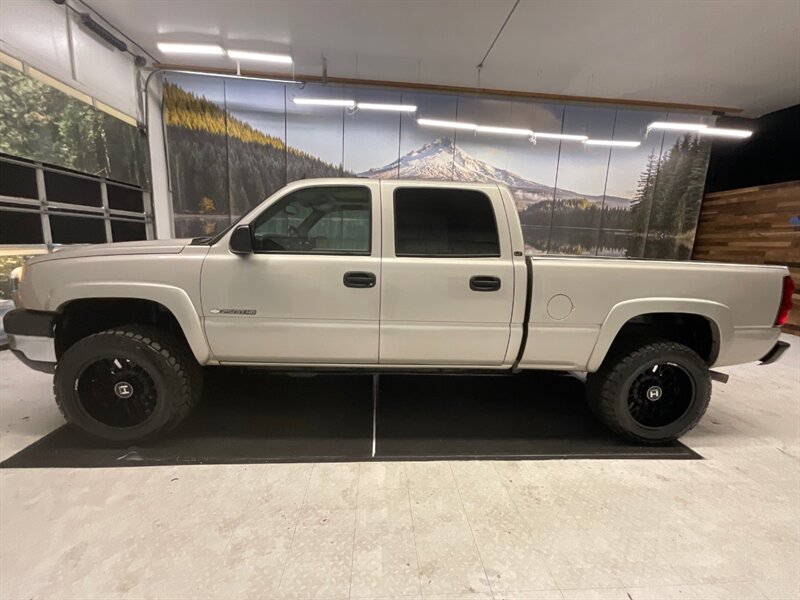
(241, 242)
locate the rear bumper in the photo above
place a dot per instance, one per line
(31, 336)
(775, 353)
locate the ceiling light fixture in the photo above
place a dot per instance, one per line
(209, 49)
(326, 102)
(448, 124)
(226, 76)
(504, 130)
(621, 143)
(731, 133)
(392, 107)
(560, 136)
(260, 56)
(677, 126)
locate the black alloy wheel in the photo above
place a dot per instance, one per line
(661, 394)
(117, 392)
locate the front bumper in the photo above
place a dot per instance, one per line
(775, 353)
(31, 337)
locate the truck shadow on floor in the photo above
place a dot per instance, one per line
(257, 417)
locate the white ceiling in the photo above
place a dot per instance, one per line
(734, 53)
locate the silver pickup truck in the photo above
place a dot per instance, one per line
(385, 275)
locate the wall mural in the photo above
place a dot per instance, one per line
(42, 123)
(231, 143)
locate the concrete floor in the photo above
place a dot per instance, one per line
(724, 527)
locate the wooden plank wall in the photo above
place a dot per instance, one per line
(754, 225)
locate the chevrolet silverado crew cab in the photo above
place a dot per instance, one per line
(377, 276)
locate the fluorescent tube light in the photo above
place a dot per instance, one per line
(721, 132)
(677, 126)
(394, 107)
(560, 136)
(448, 124)
(622, 143)
(326, 102)
(171, 48)
(260, 56)
(226, 76)
(503, 130)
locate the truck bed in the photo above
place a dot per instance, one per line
(578, 305)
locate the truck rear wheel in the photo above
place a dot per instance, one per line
(127, 384)
(653, 393)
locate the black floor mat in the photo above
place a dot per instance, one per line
(255, 417)
(532, 415)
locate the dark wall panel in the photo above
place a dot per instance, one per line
(770, 156)
(20, 227)
(77, 230)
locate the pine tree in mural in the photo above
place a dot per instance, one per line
(667, 201)
(215, 155)
(695, 185)
(642, 203)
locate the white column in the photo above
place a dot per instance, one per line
(162, 199)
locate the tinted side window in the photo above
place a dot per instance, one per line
(442, 222)
(321, 220)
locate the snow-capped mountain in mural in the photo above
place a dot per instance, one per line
(442, 159)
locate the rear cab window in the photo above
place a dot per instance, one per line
(442, 222)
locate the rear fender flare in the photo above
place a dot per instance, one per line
(718, 314)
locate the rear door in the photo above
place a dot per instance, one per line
(447, 275)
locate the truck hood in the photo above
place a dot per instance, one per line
(116, 249)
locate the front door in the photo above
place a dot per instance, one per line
(310, 292)
(448, 275)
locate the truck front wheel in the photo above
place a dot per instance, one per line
(127, 384)
(653, 393)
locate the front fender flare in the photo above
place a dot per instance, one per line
(174, 299)
(719, 314)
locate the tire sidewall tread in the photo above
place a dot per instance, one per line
(607, 390)
(175, 372)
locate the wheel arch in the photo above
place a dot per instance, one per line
(119, 304)
(704, 326)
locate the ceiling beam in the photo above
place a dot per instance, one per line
(701, 108)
